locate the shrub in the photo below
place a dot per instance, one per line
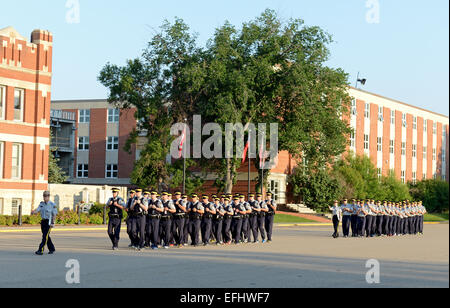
(66, 218)
(96, 219)
(31, 220)
(97, 208)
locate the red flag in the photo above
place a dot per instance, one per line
(183, 138)
(245, 150)
(261, 158)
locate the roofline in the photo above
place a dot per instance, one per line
(400, 102)
(79, 100)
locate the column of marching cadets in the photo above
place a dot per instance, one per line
(374, 219)
(156, 220)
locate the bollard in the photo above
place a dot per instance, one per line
(104, 215)
(20, 214)
(79, 214)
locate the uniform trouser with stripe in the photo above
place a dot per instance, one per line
(236, 226)
(374, 225)
(402, 228)
(386, 225)
(114, 230)
(178, 230)
(195, 229)
(186, 230)
(244, 230)
(165, 230)
(226, 230)
(346, 220)
(138, 230)
(269, 226)
(380, 220)
(335, 225)
(253, 222)
(369, 220)
(217, 229)
(46, 240)
(206, 229)
(261, 220)
(354, 225)
(361, 225)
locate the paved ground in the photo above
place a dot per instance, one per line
(298, 257)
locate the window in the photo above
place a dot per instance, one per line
(404, 119)
(2, 102)
(113, 115)
(354, 107)
(403, 148)
(1, 158)
(424, 176)
(352, 138)
(112, 144)
(366, 142)
(403, 176)
(15, 206)
(367, 111)
(414, 177)
(379, 174)
(434, 153)
(275, 189)
(16, 168)
(424, 152)
(414, 150)
(84, 116)
(82, 170)
(379, 144)
(380, 114)
(83, 143)
(414, 122)
(18, 104)
(391, 146)
(434, 128)
(1, 205)
(425, 125)
(111, 171)
(392, 116)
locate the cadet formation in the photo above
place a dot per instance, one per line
(156, 221)
(369, 218)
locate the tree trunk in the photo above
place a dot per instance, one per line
(229, 177)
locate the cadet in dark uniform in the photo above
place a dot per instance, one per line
(166, 219)
(228, 208)
(207, 220)
(146, 199)
(138, 210)
(270, 215)
(245, 219)
(363, 211)
(178, 219)
(48, 211)
(354, 219)
(253, 216)
(116, 206)
(236, 224)
(336, 211)
(218, 221)
(155, 208)
(196, 211)
(261, 218)
(379, 225)
(127, 209)
(187, 224)
(347, 211)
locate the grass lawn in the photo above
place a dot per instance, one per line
(283, 218)
(436, 217)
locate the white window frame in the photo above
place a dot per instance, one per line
(404, 119)
(393, 117)
(424, 152)
(414, 177)
(380, 114)
(366, 142)
(352, 138)
(379, 174)
(425, 125)
(414, 122)
(353, 108)
(19, 161)
(22, 100)
(113, 115)
(367, 110)
(84, 169)
(403, 176)
(434, 128)
(403, 148)
(112, 143)
(391, 146)
(2, 102)
(110, 169)
(84, 115)
(379, 144)
(434, 154)
(15, 208)
(83, 141)
(414, 150)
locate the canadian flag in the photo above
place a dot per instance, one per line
(180, 147)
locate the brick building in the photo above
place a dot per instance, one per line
(396, 136)
(25, 87)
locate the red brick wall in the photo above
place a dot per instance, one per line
(127, 123)
(97, 140)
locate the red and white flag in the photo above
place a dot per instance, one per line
(183, 139)
(246, 149)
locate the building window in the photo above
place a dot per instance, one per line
(113, 115)
(414, 122)
(83, 143)
(392, 116)
(18, 104)
(425, 126)
(15, 206)
(367, 110)
(403, 148)
(2, 102)
(414, 150)
(352, 138)
(16, 168)
(2, 147)
(366, 142)
(404, 119)
(354, 107)
(434, 153)
(434, 128)
(275, 189)
(403, 176)
(84, 116)
(112, 144)
(380, 114)
(379, 144)
(424, 176)
(391, 146)
(111, 171)
(82, 170)
(1, 205)
(379, 174)
(424, 152)
(414, 177)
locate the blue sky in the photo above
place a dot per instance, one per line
(405, 56)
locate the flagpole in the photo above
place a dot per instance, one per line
(184, 163)
(249, 171)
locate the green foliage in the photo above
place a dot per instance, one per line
(66, 218)
(55, 174)
(96, 208)
(433, 194)
(31, 220)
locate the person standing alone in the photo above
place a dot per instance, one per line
(48, 211)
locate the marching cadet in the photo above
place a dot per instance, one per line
(138, 208)
(423, 211)
(398, 219)
(228, 208)
(337, 215)
(207, 220)
(187, 224)
(272, 205)
(347, 211)
(380, 214)
(196, 211)
(116, 206)
(178, 219)
(387, 218)
(261, 218)
(127, 209)
(218, 221)
(239, 211)
(166, 219)
(354, 219)
(146, 199)
(363, 211)
(369, 218)
(155, 209)
(245, 219)
(212, 236)
(402, 217)
(253, 219)
(48, 211)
